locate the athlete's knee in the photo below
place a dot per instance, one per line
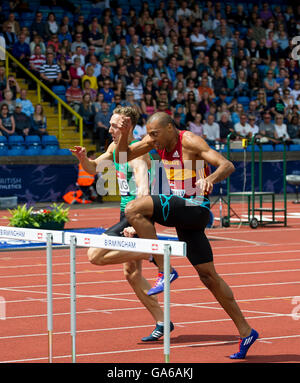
(132, 273)
(131, 212)
(208, 276)
(95, 256)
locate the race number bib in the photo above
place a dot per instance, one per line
(123, 184)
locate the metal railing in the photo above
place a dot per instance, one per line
(60, 103)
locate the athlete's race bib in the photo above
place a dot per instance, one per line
(123, 184)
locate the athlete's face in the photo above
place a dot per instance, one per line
(114, 130)
(115, 123)
(159, 134)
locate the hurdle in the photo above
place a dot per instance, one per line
(72, 240)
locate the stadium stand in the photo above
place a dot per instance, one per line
(240, 49)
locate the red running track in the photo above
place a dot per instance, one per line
(262, 267)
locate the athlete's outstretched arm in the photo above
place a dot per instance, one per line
(88, 164)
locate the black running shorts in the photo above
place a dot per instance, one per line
(117, 229)
(190, 218)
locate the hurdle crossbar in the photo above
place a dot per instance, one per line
(147, 246)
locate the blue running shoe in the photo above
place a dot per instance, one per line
(157, 333)
(245, 344)
(159, 283)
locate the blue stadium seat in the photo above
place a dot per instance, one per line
(294, 148)
(244, 100)
(32, 140)
(267, 148)
(33, 146)
(49, 151)
(279, 148)
(49, 140)
(59, 90)
(3, 146)
(63, 152)
(15, 141)
(16, 151)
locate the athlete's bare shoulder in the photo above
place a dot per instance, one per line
(192, 142)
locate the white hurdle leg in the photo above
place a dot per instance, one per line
(49, 296)
(73, 294)
(167, 253)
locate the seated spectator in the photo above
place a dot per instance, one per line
(22, 121)
(8, 100)
(276, 105)
(11, 21)
(10, 37)
(211, 131)
(95, 37)
(89, 75)
(293, 129)
(38, 26)
(270, 83)
(288, 101)
(121, 47)
(149, 51)
(50, 74)
(94, 63)
(204, 106)
(296, 91)
(27, 106)
(160, 49)
(242, 128)
(226, 126)
(21, 51)
(107, 91)
(102, 124)
(196, 126)
(129, 101)
(64, 34)
(136, 88)
(253, 111)
(78, 54)
(87, 89)
(254, 83)
(65, 73)
(178, 102)
(87, 112)
(74, 95)
(77, 70)
(230, 82)
(267, 130)
(98, 103)
(242, 88)
(281, 130)
(51, 25)
(163, 106)
(148, 105)
(78, 42)
(254, 128)
(54, 42)
(36, 60)
(38, 121)
(7, 122)
(108, 56)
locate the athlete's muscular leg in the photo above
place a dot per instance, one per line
(224, 296)
(104, 257)
(138, 213)
(133, 274)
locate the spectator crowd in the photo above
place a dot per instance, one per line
(215, 67)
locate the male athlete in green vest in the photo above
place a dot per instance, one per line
(133, 180)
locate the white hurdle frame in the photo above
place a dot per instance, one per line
(148, 246)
